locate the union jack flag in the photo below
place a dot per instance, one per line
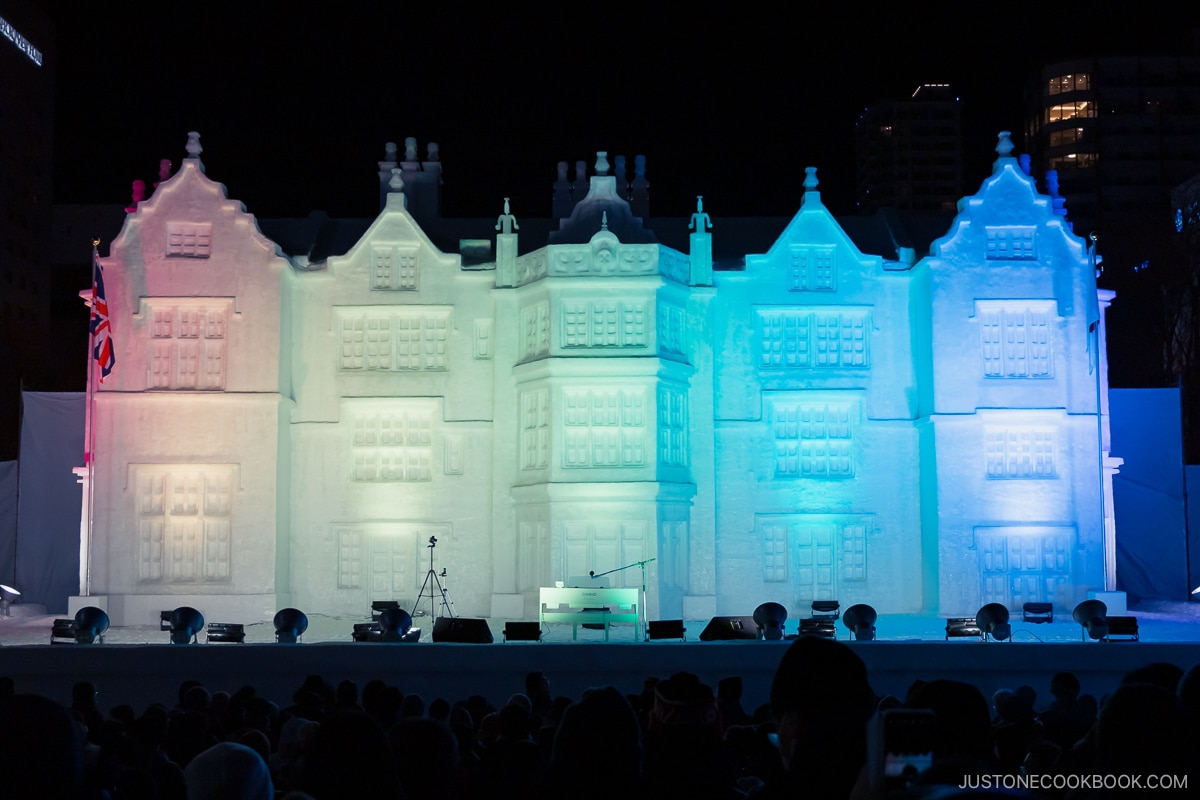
(102, 343)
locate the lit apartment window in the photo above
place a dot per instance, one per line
(1074, 161)
(1075, 82)
(1083, 108)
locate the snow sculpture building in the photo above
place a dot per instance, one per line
(822, 424)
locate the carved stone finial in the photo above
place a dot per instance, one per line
(410, 148)
(562, 170)
(164, 169)
(604, 221)
(701, 222)
(432, 153)
(507, 223)
(139, 194)
(581, 171)
(389, 152)
(601, 162)
(1058, 203)
(193, 145)
(1026, 162)
(639, 166)
(396, 184)
(620, 170)
(1004, 146)
(810, 179)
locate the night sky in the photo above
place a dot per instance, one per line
(294, 104)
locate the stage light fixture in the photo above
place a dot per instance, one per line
(1122, 629)
(367, 632)
(992, 620)
(666, 629)
(522, 632)
(379, 606)
(826, 609)
(225, 632)
(1092, 616)
(62, 631)
(1037, 613)
(185, 625)
(396, 626)
(290, 624)
(961, 627)
(860, 619)
(824, 627)
(90, 624)
(7, 595)
(770, 619)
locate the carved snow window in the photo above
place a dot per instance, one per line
(184, 523)
(1015, 338)
(390, 447)
(350, 558)
(1011, 243)
(671, 329)
(812, 440)
(604, 428)
(535, 429)
(1019, 453)
(812, 269)
(535, 331)
(189, 239)
(401, 341)
(394, 268)
(672, 427)
(774, 551)
(603, 324)
(814, 338)
(187, 348)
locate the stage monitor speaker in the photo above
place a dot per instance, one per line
(721, 629)
(462, 630)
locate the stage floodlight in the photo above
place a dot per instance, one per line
(233, 632)
(1122, 629)
(522, 632)
(290, 624)
(770, 619)
(826, 609)
(666, 629)
(90, 624)
(1092, 616)
(185, 625)
(396, 626)
(860, 619)
(992, 620)
(7, 595)
(379, 606)
(1037, 613)
(960, 627)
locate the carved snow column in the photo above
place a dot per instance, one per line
(639, 190)
(700, 247)
(431, 182)
(506, 248)
(385, 172)
(194, 149)
(1111, 464)
(561, 203)
(139, 194)
(1057, 201)
(579, 187)
(395, 196)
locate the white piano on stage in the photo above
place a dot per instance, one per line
(585, 600)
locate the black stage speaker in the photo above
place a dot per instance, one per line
(463, 630)
(725, 628)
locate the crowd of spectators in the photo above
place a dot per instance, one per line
(822, 735)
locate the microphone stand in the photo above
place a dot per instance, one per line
(644, 623)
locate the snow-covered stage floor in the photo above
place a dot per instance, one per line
(136, 665)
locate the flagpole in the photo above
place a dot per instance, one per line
(89, 433)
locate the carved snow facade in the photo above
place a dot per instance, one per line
(824, 424)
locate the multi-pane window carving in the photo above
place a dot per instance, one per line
(395, 268)
(535, 429)
(604, 428)
(1024, 452)
(812, 268)
(812, 439)
(1011, 243)
(187, 344)
(350, 558)
(535, 331)
(399, 341)
(183, 519)
(814, 553)
(1016, 338)
(814, 338)
(671, 329)
(189, 239)
(393, 446)
(605, 323)
(672, 427)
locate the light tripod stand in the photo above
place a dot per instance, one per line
(433, 585)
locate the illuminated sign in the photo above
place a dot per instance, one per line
(23, 44)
